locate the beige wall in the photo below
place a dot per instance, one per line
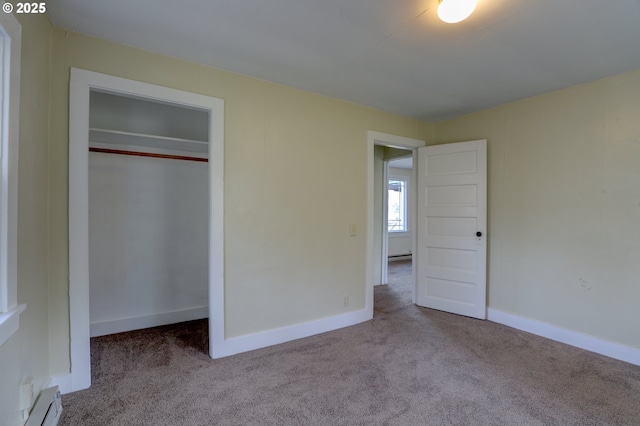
(26, 353)
(564, 205)
(295, 178)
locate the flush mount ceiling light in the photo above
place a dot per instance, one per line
(452, 11)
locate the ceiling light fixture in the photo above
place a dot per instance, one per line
(452, 11)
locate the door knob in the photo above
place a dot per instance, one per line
(478, 234)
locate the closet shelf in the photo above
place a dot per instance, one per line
(120, 138)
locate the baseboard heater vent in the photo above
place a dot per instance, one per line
(48, 408)
(399, 257)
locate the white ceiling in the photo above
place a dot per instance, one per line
(394, 55)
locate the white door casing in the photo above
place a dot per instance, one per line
(384, 262)
(81, 83)
(376, 138)
(452, 227)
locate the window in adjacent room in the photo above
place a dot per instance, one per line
(397, 204)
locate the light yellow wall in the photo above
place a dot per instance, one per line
(26, 353)
(295, 178)
(564, 205)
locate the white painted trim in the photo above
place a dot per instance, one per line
(79, 231)
(584, 341)
(63, 382)
(136, 323)
(399, 234)
(10, 57)
(384, 259)
(373, 139)
(216, 229)
(394, 141)
(413, 225)
(276, 336)
(9, 322)
(82, 82)
(408, 187)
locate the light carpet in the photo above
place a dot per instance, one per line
(408, 366)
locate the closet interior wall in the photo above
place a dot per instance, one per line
(148, 213)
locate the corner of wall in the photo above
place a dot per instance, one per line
(427, 132)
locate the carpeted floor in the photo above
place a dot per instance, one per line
(408, 366)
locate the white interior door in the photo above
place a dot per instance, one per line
(452, 221)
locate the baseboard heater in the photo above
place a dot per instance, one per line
(399, 257)
(47, 409)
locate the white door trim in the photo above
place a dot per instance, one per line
(384, 262)
(81, 83)
(373, 139)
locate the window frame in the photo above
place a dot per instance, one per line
(405, 231)
(11, 41)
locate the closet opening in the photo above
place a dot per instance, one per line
(146, 213)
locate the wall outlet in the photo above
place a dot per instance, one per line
(345, 301)
(26, 394)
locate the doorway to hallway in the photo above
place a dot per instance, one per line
(398, 292)
(379, 146)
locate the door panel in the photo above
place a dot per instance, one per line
(452, 196)
(451, 227)
(452, 203)
(455, 163)
(454, 292)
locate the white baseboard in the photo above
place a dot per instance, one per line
(276, 336)
(584, 341)
(136, 323)
(63, 382)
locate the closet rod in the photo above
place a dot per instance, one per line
(148, 154)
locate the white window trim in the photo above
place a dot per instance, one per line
(11, 39)
(407, 230)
